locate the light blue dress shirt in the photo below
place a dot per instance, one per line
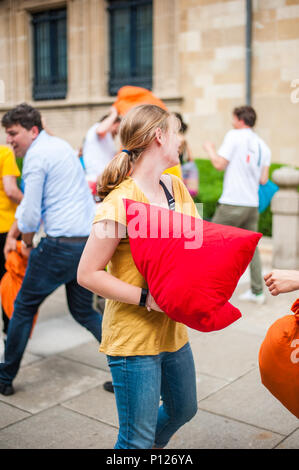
(56, 191)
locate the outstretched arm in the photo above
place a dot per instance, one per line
(218, 162)
(281, 281)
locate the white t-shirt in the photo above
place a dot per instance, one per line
(97, 152)
(247, 154)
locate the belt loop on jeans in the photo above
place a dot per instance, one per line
(68, 239)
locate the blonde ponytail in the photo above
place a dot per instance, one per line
(137, 132)
(115, 172)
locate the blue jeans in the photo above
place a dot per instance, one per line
(139, 382)
(50, 265)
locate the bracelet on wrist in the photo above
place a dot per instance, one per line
(143, 296)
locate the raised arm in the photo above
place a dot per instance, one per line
(105, 125)
(218, 162)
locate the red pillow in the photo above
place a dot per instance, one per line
(191, 266)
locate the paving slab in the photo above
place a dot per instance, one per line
(96, 403)
(207, 385)
(226, 354)
(52, 381)
(291, 442)
(58, 428)
(209, 431)
(10, 414)
(257, 319)
(247, 400)
(99, 404)
(60, 402)
(88, 354)
(4, 446)
(56, 335)
(55, 305)
(29, 358)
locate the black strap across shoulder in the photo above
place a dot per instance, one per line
(170, 199)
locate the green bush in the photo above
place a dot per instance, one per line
(210, 189)
(20, 162)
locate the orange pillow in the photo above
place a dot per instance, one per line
(279, 360)
(130, 96)
(11, 282)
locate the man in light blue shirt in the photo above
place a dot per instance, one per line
(57, 195)
(56, 191)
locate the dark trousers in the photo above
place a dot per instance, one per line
(51, 264)
(2, 259)
(247, 218)
(2, 272)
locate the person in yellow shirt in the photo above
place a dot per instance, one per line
(10, 197)
(148, 353)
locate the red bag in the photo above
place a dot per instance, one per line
(279, 360)
(190, 279)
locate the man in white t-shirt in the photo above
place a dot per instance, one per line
(98, 146)
(245, 158)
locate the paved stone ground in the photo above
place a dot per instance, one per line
(60, 403)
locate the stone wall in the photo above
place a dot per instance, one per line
(212, 70)
(198, 66)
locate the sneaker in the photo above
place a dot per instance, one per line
(6, 389)
(251, 297)
(108, 387)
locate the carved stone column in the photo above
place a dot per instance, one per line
(285, 222)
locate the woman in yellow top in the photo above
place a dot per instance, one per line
(10, 197)
(148, 353)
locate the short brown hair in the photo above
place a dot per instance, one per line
(23, 114)
(246, 114)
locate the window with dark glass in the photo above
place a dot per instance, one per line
(131, 46)
(49, 54)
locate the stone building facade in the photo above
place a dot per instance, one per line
(198, 66)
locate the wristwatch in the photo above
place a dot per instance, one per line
(143, 296)
(26, 245)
